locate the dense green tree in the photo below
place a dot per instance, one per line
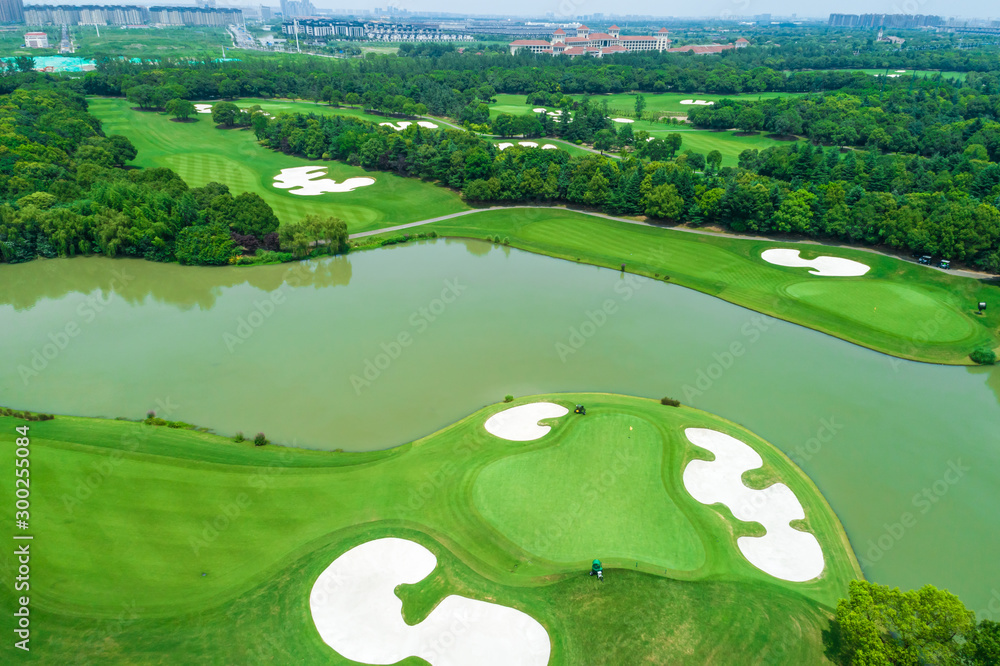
(879, 625)
(180, 108)
(205, 244)
(225, 113)
(324, 235)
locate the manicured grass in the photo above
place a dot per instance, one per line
(921, 73)
(665, 103)
(730, 144)
(172, 545)
(559, 143)
(200, 153)
(899, 308)
(152, 43)
(670, 103)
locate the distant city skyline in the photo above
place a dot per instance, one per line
(570, 10)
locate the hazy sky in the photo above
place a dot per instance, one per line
(569, 8)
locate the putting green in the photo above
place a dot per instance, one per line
(216, 545)
(897, 309)
(200, 154)
(563, 502)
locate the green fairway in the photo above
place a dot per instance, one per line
(151, 43)
(899, 308)
(730, 144)
(212, 546)
(668, 104)
(900, 73)
(200, 153)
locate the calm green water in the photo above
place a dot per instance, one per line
(443, 328)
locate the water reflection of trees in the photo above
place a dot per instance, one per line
(135, 280)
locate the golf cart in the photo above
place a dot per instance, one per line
(926, 260)
(580, 409)
(945, 264)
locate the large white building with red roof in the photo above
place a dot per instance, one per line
(599, 44)
(595, 44)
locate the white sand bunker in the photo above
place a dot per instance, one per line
(427, 124)
(520, 424)
(528, 144)
(825, 266)
(357, 613)
(623, 120)
(203, 108)
(306, 180)
(783, 552)
(901, 71)
(504, 146)
(549, 146)
(399, 127)
(700, 102)
(893, 76)
(540, 109)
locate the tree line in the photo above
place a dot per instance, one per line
(63, 192)
(945, 206)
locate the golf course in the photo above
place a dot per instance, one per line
(324, 346)
(200, 154)
(213, 546)
(906, 310)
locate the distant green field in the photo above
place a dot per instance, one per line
(152, 43)
(901, 73)
(200, 153)
(730, 144)
(666, 103)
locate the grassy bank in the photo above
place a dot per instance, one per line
(180, 545)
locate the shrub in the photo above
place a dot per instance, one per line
(260, 439)
(508, 398)
(983, 356)
(150, 414)
(670, 402)
(239, 437)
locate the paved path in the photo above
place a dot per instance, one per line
(701, 232)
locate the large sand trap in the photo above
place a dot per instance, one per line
(623, 120)
(528, 144)
(901, 71)
(305, 179)
(357, 613)
(700, 102)
(783, 552)
(549, 146)
(893, 76)
(540, 109)
(520, 424)
(400, 126)
(427, 124)
(825, 266)
(203, 108)
(504, 146)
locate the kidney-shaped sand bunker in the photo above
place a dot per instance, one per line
(357, 613)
